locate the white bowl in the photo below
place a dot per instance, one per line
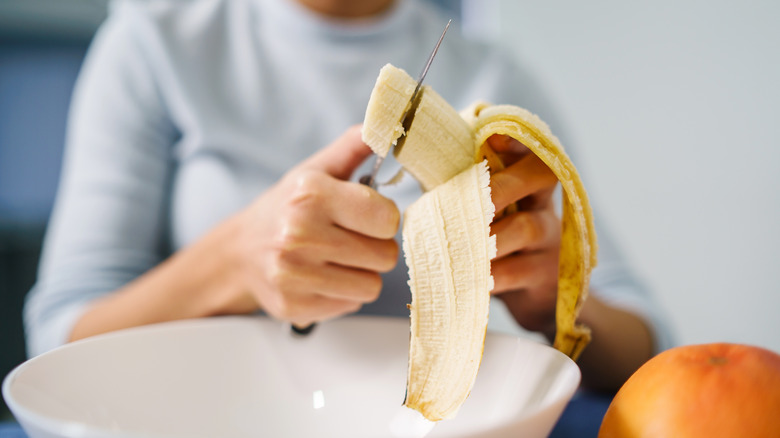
(250, 377)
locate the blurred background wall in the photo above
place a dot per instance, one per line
(673, 107)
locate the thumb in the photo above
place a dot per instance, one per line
(340, 158)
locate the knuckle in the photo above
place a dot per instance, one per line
(531, 227)
(286, 309)
(280, 279)
(307, 189)
(548, 228)
(527, 229)
(296, 236)
(290, 239)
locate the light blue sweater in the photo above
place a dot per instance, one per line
(184, 112)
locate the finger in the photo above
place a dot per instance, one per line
(527, 231)
(342, 156)
(354, 250)
(317, 197)
(331, 281)
(509, 149)
(325, 242)
(316, 308)
(505, 144)
(527, 176)
(537, 201)
(342, 283)
(312, 293)
(363, 210)
(526, 270)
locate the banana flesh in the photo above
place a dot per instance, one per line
(439, 144)
(448, 248)
(389, 101)
(446, 233)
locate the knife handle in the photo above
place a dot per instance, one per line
(367, 180)
(302, 331)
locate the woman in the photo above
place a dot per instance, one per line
(195, 180)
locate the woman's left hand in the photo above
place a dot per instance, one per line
(528, 241)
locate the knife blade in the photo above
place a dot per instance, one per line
(370, 179)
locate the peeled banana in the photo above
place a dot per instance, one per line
(446, 239)
(446, 233)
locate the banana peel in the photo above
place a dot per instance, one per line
(446, 233)
(578, 238)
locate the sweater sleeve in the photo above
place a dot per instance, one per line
(108, 223)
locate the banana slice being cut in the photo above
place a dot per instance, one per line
(446, 233)
(389, 102)
(439, 144)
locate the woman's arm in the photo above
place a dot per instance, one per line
(526, 272)
(308, 249)
(109, 222)
(201, 280)
(621, 342)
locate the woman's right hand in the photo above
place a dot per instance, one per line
(312, 247)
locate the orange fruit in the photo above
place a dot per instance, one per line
(709, 390)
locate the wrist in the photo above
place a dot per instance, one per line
(530, 316)
(198, 281)
(224, 290)
(621, 343)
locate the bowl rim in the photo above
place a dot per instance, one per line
(77, 429)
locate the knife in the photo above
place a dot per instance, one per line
(370, 179)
